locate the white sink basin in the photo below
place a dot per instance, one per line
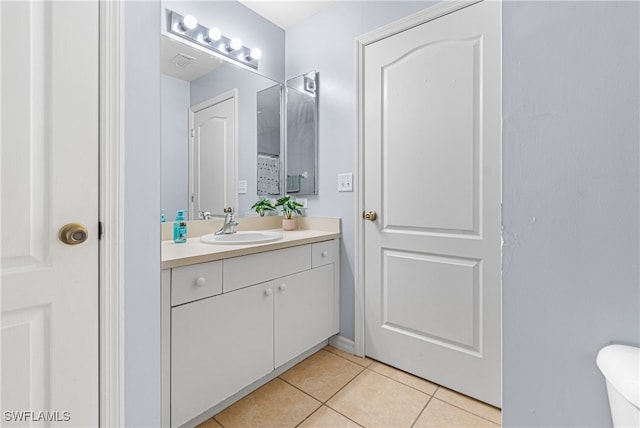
(240, 238)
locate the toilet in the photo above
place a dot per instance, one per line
(620, 366)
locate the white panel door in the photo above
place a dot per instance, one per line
(49, 158)
(213, 169)
(432, 136)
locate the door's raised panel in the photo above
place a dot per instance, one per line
(432, 298)
(25, 359)
(26, 77)
(426, 160)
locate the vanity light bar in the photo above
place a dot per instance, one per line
(188, 28)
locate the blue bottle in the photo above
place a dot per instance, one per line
(162, 219)
(180, 228)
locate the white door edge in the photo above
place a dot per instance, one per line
(111, 247)
(403, 24)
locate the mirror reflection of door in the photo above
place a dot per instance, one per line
(213, 156)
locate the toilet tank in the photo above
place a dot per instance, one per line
(620, 366)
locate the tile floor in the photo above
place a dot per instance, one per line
(334, 389)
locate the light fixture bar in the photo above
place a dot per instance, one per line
(200, 35)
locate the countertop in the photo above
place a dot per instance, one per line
(310, 230)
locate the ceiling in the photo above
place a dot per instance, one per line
(287, 13)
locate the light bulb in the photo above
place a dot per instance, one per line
(235, 44)
(255, 53)
(189, 22)
(214, 34)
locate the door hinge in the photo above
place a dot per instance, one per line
(193, 132)
(100, 230)
(193, 198)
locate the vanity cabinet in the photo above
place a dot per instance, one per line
(250, 315)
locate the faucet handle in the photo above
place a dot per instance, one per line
(228, 210)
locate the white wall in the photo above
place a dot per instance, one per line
(175, 103)
(326, 43)
(570, 204)
(141, 213)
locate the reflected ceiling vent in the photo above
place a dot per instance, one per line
(181, 60)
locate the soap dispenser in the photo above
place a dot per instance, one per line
(180, 228)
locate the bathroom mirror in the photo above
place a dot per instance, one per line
(269, 160)
(196, 176)
(302, 134)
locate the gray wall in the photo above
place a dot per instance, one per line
(570, 205)
(175, 103)
(141, 211)
(326, 43)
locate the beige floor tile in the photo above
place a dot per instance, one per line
(364, 362)
(470, 404)
(373, 400)
(404, 377)
(210, 423)
(276, 404)
(441, 414)
(322, 374)
(324, 417)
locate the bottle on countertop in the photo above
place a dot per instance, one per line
(180, 228)
(162, 217)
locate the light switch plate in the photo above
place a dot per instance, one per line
(345, 182)
(242, 187)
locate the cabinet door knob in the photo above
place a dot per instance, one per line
(325, 253)
(200, 282)
(268, 292)
(282, 287)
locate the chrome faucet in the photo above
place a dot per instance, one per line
(204, 215)
(229, 225)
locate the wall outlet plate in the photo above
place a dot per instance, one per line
(242, 187)
(303, 201)
(345, 182)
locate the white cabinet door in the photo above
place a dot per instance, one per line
(304, 311)
(219, 345)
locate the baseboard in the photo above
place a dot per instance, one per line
(342, 343)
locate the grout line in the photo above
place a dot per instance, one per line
(422, 411)
(308, 416)
(468, 411)
(406, 384)
(338, 355)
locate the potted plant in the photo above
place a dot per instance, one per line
(263, 205)
(289, 208)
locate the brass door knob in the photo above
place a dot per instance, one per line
(370, 215)
(73, 233)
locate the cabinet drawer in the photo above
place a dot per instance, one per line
(243, 271)
(323, 253)
(195, 282)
